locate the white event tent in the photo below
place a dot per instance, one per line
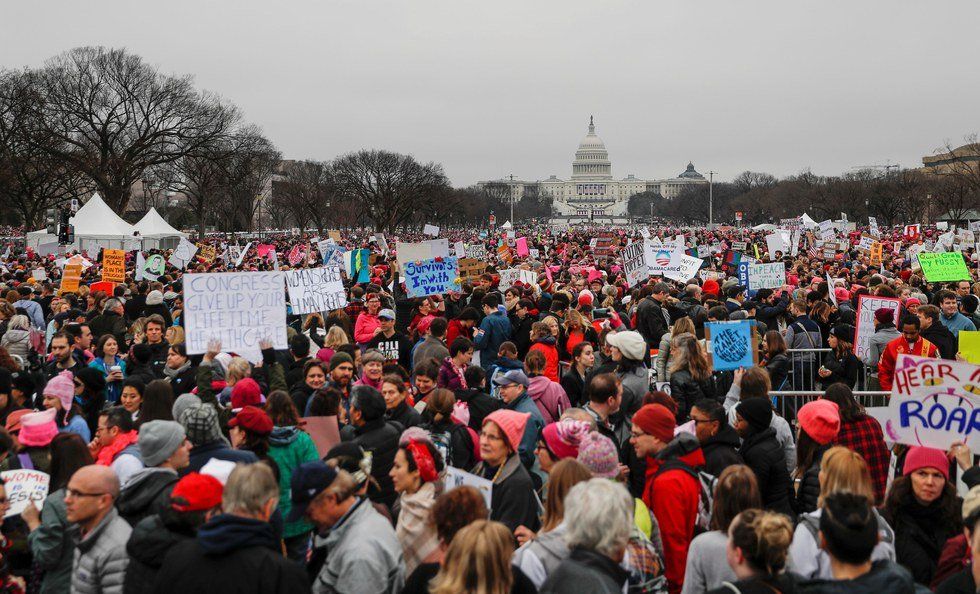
(96, 227)
(156, 232)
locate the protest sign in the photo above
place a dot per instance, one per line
(113, 266)
(534, 253)
(771, 275)
(431, 277)
(775, 244)
(509, 277)
(70, 278)
(634, 263)
(238, 308)
(743, 277)
(39, 274)
(738, 246)
(154, 267)
(830, 289)
(944, 266)
(686, 270)
(969, 345)
(865, 243)
(873, 224)
(657, 258)
(876, 253)
(315, 289)
(704, 251)
(324, 432)
(296, 255)
(865, 327)
(423, 250)
(431, 230)
(522, 249)
(826, 230)
(460, 478)
(504, 254)
(24, 487)
(934, 403)
(183, 254)
(731, 344)
(470, 269)
(459, 248)
(207, 253)
(357, 264)
(382, 242)
(334, 235)
(476, 250)
(911, 232)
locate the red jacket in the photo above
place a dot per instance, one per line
(886, 366)
(673, 497)
(550, 352)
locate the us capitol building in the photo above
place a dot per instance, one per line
(591, 191)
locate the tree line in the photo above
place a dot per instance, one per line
(904, 196)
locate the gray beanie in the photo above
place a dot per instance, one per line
(158, 440)
(201, 424)
(183, 402)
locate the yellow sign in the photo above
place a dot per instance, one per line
(70, 278)
(207, 253)
(970, 346)
(113, 266)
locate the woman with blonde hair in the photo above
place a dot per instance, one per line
(841, 471)
(175, 335)
(758, 548)
(478, 562)
(336, 337)
(577, 329)
(681, 327)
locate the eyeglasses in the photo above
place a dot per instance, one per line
(638, 434)
(491, 436)
(72, 493)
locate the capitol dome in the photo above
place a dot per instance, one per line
(690, 173)
(591, 159)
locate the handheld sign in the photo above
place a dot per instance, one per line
(635, 263)
(24, 487)
(771, 275)
(865, 327)
(238, 308)
(969, 345)
(459, 478)
(431, 277)
(70, 278)
(114, 266)
(731, 344)
(934, 403)
(315, 289)
(944, 266)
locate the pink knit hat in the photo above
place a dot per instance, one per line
(922, 457)
(62, 386)
(38, 429)
(512, 423)
(820, 420)
(598, 453)
(564, 437)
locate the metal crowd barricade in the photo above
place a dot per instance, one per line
(789, 401)
(804, 376)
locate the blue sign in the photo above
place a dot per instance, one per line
(743, 278)
(731, 344)
(432, 277)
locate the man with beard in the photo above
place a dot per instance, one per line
(393, 345)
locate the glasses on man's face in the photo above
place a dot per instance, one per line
(637, 434)
(73, 494)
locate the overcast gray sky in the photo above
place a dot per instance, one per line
(494, 88)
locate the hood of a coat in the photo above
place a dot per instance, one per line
(283, 436)
(143, 488)
(726, 436)
(226, 533)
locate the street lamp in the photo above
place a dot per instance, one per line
(711, 199)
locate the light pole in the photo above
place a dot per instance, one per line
(711, 199)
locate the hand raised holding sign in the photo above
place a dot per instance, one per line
(31, 516)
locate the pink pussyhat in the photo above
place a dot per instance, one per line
(38, 429)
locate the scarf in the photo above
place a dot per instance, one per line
(459, 372)
(417, 536)
(108, 453)
(172, 373)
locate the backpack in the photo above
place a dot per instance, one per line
(443, 442)
(707, 484)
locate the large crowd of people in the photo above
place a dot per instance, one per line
(619, 459)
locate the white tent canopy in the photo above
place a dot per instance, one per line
(96, 226)
(156, 232)
(808, 222)
(764, 227)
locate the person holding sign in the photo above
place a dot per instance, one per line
(909, 343)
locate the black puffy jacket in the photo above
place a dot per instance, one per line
(686, 391)
(380, 437)
(808, 491)
(145, 494)
(721, 450)
(763, 454)
(147, 547)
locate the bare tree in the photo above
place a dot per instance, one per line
(308, 191)
(111, 116)
(389, 189)
(31, 180)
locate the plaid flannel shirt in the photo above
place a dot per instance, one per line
(865, 437)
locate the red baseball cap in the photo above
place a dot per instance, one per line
(196, 492)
